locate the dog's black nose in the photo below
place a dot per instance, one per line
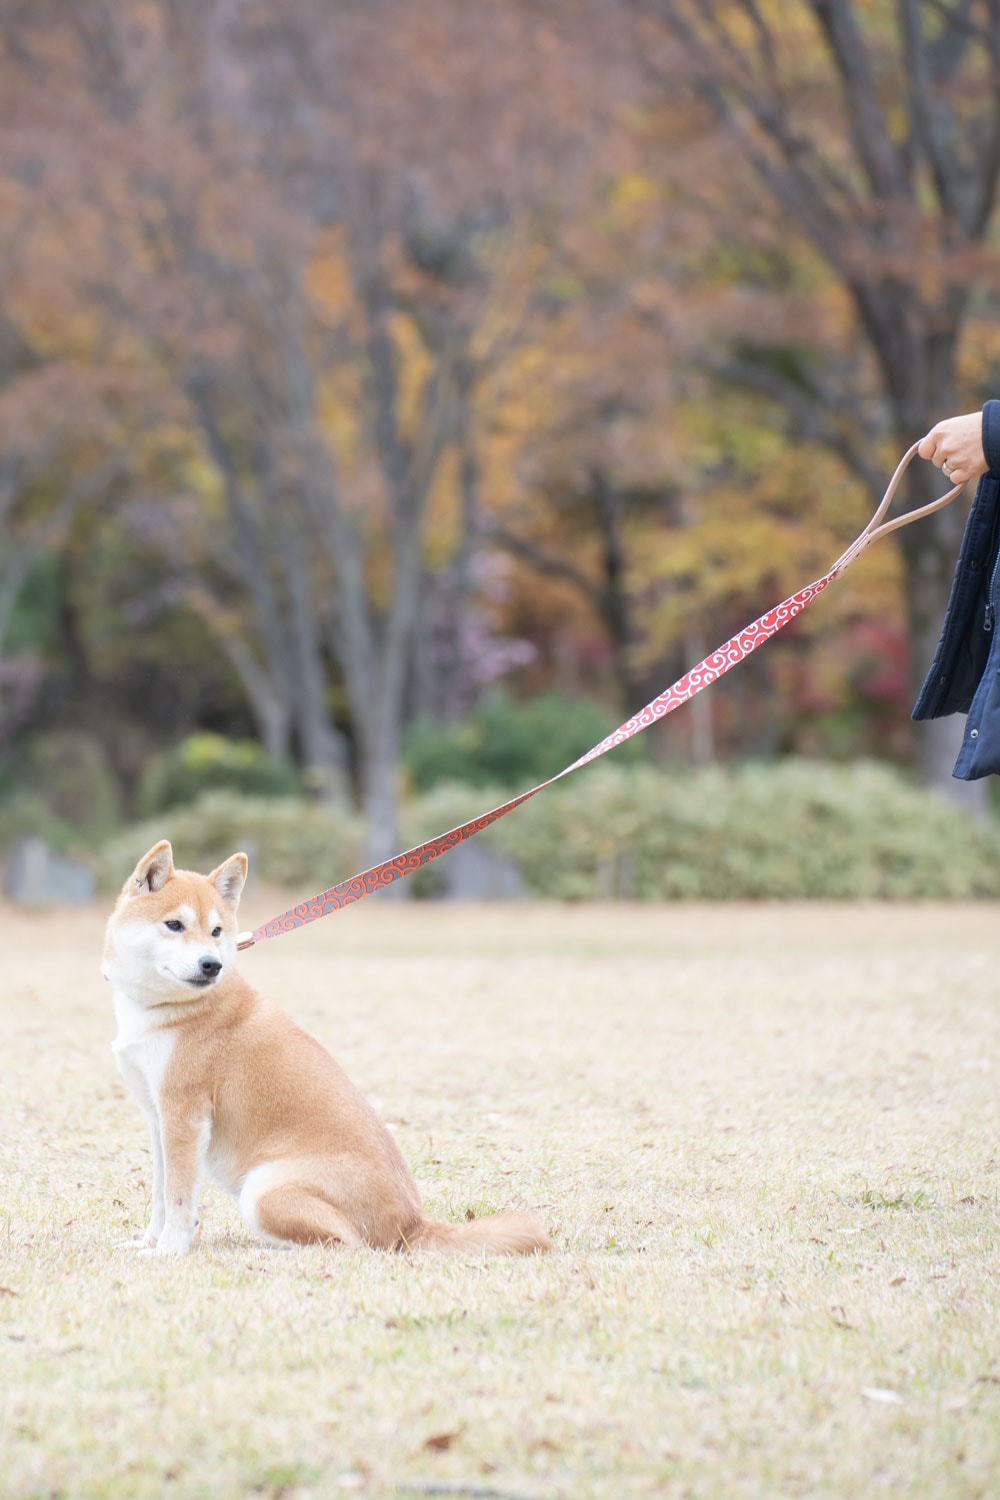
(210, 967)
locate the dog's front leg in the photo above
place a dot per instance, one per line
(185, 1135)
(153, 1230)
(157, 1216)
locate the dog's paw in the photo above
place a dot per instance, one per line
(141, 1242)
(174, 1242)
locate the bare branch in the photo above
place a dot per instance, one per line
(815, 414)
(866, 122)
(809, 188)
(20, 553)
(546, 562)
(926, 110)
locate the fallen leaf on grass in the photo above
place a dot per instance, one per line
(882, 1395)
(8, 1291)
(837, 1315)
(897, 1281)
(440, 1442)
(543, 1445)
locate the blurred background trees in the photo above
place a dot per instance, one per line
(369, 372)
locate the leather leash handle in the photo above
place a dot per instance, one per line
(735, 650)
(873, 530)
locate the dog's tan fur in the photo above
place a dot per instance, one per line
(232, 1088)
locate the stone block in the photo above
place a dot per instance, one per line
(35, 875)
(471, 873)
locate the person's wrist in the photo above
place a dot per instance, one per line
(991, 434)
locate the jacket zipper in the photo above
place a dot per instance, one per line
(991, 596)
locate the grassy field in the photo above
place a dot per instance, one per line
(764, 1139)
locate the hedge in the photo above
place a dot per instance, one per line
(794, 829)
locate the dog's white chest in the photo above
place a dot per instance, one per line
(142, 1051)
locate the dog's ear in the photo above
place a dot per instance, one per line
(153, 871)
(230, 878)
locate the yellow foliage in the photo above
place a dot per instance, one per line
(414, 367)
(328, 277)
(634, 190)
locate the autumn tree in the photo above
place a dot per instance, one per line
(411, 163)
(299, 237)
(377, 326)
(874, 137)
(357, 297)
(66, 421)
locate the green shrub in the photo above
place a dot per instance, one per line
(62, 790)
(290, 841)
(509, 744)
(207, 762)
(444, 807)
(792, 830)
(24, 814)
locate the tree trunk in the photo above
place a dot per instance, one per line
(616, 607)
(380, 794)
(267, 703)
(897, 199)
(699, 710)
(322, 747)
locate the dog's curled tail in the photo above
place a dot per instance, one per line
(497, 1234)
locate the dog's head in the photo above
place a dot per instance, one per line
(172, 934)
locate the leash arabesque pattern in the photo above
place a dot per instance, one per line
(714, 666)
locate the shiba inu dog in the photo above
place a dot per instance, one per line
(233, 1089)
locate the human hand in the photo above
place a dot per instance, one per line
(956, 446)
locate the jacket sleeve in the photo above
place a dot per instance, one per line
(991, 435)
(961, 654)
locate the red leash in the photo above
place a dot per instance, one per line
(735, 650)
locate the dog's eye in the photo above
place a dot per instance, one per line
(173, 925)
(216, 932)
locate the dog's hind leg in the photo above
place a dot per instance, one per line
(286, 1211)
(294, 1214)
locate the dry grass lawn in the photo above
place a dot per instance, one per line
(766, 1143)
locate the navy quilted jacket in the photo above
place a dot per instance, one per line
(965, 674)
